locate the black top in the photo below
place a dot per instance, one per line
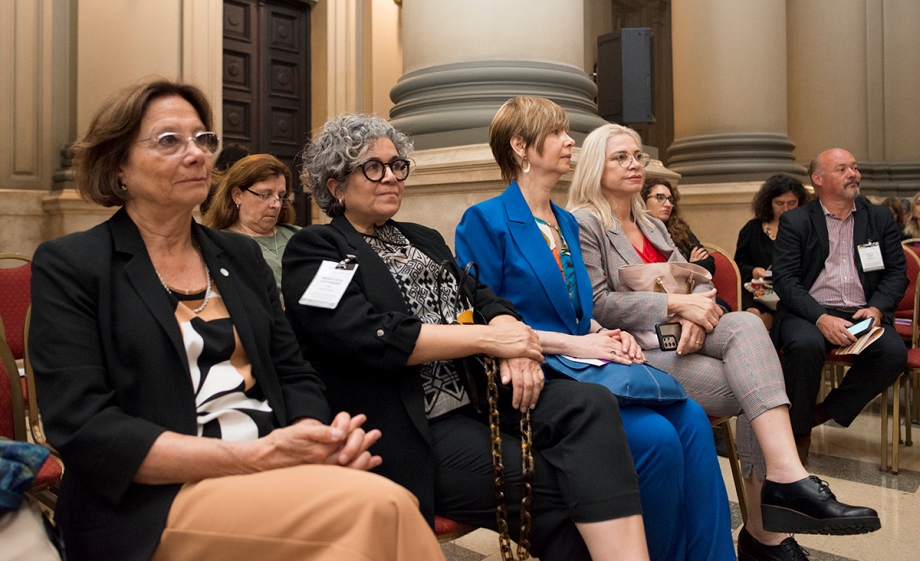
(754, 249)
(113, 374)
(709, 263)
(361, 347)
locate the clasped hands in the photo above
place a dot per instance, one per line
(307, 441)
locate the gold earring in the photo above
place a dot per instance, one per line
(525, 169)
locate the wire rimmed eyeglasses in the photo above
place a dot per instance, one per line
(625, 158)
(174, 144)
(285, 202)
(375, 170)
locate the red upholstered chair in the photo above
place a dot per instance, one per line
(727, 278)
(15, 298)
(907, 328)
(447, 530)
(12, 426)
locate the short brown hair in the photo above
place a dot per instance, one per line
(531, 118)
(223, 213)
(98, 156)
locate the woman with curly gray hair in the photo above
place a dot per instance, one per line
(382, 347)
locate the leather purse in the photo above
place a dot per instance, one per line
(670, 278)
(636, 384)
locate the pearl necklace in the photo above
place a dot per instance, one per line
(207, 290)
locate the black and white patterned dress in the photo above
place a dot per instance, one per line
(416, 274)
(230, 404)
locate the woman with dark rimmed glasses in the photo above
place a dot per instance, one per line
(254, 197)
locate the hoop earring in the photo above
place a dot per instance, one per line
(524, 160)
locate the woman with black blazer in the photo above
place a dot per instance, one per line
(171, 383)
(378, 346)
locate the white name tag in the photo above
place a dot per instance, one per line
(871, 257)
(329, 284)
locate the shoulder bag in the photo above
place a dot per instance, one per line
(670, 278)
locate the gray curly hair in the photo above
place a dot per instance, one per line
(335, 153)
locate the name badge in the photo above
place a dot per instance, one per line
(871, 257)
(329, 284)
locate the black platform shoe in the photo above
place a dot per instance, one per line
(750, 549)
(809, 507)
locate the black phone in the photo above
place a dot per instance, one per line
(860, 328)
(668, 336)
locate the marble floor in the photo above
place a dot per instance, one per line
(849, 460)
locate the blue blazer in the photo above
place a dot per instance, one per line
(501, 236)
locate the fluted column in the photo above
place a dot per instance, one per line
(730, 91)
(462, 60)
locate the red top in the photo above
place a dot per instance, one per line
(649, 253)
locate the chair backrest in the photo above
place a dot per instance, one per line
(15, 297)
(12, 415)
(727, 278)
(913, 269)
(31, 394)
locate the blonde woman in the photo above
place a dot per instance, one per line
(725, 362)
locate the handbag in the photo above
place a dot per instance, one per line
(476, 371)
(669, 278)
(636, 384)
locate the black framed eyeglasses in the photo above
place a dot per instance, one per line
(174, 144)
(625, 158)
(661, 198)
(375, 170)
(285, 202)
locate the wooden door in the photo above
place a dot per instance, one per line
(266, 91)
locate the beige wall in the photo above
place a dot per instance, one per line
(902, 81)
(59, 61)
(356, 57)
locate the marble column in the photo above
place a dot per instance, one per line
(829, 79)
(462, 60)
(730, 109)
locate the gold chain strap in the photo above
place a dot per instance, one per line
(498, 469)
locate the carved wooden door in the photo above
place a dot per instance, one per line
(266, 81)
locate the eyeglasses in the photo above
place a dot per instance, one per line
(375, 170)
(661, 198)
(625, 158)
(173, 144)
(285, 202)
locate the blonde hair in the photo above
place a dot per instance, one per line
(531, 118)
(585, 190)
(911, 225)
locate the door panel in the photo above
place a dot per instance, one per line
(266, 81)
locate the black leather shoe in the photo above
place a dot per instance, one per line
(750, 549)
(809, 507)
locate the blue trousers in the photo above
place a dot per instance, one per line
(684, 502)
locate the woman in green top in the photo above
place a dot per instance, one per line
(254, 198)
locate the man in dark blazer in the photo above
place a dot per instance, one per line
(838, 259)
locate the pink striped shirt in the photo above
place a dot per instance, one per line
(838, 285)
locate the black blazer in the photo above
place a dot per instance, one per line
(802, 247)
(361, 347)
(112, 372)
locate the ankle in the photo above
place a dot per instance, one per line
(764, 537)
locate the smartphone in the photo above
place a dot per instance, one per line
(860, 328)
(668, 336)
